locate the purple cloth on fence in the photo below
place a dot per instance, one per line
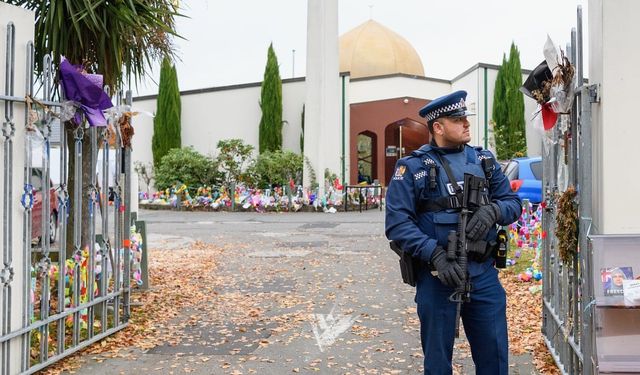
(86, 91)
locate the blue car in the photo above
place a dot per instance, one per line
(525, 175)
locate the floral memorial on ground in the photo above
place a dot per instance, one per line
(282, 198)
(525, 236)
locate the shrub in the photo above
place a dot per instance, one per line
(234, 160)
(186, 166)
(278, 167)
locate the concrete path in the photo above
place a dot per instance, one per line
(327, 289)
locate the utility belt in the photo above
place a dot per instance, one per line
(410, 266)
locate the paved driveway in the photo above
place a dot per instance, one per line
(327, 287)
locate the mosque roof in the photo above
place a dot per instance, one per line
(372, 49)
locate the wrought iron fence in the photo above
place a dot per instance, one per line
(363, 196)
(567, 324)
(72, 297)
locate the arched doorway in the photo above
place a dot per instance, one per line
(368, 125)
(400, 139)
(367, 157)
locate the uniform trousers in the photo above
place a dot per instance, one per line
(484, 320)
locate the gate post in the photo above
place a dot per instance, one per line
(16, 30)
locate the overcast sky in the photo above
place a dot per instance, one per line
(226, 42)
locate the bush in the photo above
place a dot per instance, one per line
(277, 167)
(235, 160)
(186, 166)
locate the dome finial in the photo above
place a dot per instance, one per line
(370, 11)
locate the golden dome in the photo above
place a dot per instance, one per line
(373, 50)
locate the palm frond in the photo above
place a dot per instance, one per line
(119, 39)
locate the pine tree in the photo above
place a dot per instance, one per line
(166, 123)
(515, 103)
(499, 115)
(270, 130)
(508, 108)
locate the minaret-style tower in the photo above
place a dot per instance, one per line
(322, 105)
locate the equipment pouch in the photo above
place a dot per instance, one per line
(408, 269)
(408, 265)
(502, 249)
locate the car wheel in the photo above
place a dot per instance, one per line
(53, 227)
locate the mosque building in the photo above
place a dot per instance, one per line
(382, 85)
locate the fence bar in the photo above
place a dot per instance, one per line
(53, 318)
(81, 346)
(105, 245)
(27, 307)
(63, 214)
(117, 219)
(77, 228)
(126, 159)
(8, 131)
(585, 210)
(91, 200)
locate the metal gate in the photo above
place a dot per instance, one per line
(67, 303)
(567, 291)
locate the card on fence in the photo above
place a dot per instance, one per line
(613, 279)
(631, 292)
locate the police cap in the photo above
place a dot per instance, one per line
(451, 105)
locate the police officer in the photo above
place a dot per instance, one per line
(421, 209)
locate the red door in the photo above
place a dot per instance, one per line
(401, 138)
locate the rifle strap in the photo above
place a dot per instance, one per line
(452, 179)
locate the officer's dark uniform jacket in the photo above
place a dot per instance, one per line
(419, 231)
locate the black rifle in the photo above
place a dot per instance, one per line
(470, 198)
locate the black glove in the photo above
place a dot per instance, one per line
(479, 251)
(482, 220)
(449, 272)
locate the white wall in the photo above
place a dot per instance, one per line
(209, 117)
(473, 82)
(395, 87)
(293, 96)
(595, 74)
(143, 127)
(220, 115)
(470, 84)
(613, 64)
(23, 21)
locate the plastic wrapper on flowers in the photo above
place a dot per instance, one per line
(551, 84)
(85, 92)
